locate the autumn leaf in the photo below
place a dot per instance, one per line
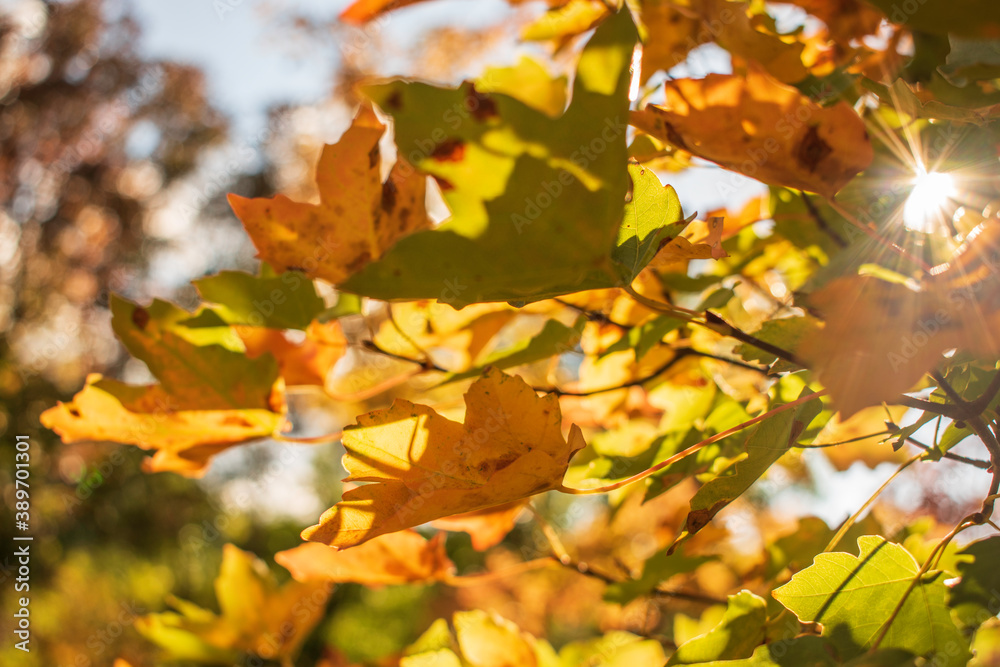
(183, 440)
(486, 527)
(357, 218)
(767, 443)
(300, 362)
(425, 467)
(257, 617)
(288, 301)
(761, 128)
(479, 639)
(211, 395)
(670, 33)
(733, 29)
(363, 11)
(880, 337)
(397, 558)
(653, 219)
(736, 636)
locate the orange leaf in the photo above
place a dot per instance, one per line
(880, 338)
(358, 217)
(363, 11)
(305, 363)
(184, 440)
(424, 466)
(487, 527)
(398, 558)
(761, 128)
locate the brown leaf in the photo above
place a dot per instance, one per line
(761, 128)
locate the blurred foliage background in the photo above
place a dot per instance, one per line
(113, 169)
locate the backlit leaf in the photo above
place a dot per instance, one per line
(425, 466)
(761, 128)
(853, 596)
(358, 217)
(397, 558)
(518, 182)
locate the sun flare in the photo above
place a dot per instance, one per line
(928, 201)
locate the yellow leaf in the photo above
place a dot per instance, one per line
(397, 558)
(670, 34)
(257, 615)
(762, 128)
(424, 466)
(184, 440)
(357, 219)
(731, 26)
(489, 640)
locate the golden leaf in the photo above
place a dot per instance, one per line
(397, 558)
(357, 218)
(425, 466)
(762, 128)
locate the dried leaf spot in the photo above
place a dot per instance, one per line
(481, 106)
(388, 196)
(449, 150)
(812, 149)
(140, 318)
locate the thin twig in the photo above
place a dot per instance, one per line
(851, 520)
(821, 221)
(847, 215)
(690, 450)
(425, 363)
(978, 463)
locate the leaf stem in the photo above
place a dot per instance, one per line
(690, 450)
(851, 520)
(967, 522)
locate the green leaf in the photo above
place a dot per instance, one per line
(785, 333)
(288, 301)
(347, 304)
(198, 368)
(853, 597)
(970, 18)
(976, 597)
(536, 201)
(658, 569)
(767, 443)
(736, 636)
(652, 217)
(554, 338)
(644, 337)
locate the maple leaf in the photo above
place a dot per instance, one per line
(879, 337)
(397, 558)
(358, 217)
(306, 362)
(210, 396)
(762, 128)
(518, 183)
(424, 466)
(183, 440)
(854, 596)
